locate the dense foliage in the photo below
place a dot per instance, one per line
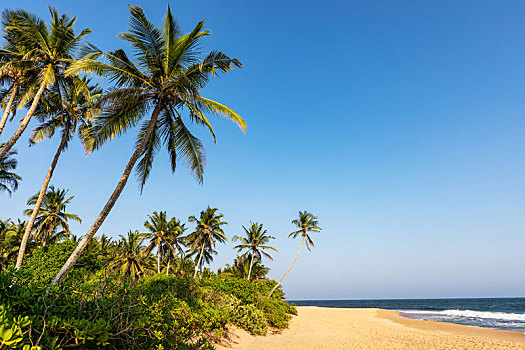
(159, 312)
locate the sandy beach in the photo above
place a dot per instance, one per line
(332, 328)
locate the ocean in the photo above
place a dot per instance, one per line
(496, 313)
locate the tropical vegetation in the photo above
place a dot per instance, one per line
(149, 287)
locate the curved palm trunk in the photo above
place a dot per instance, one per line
(8, 108)
(24, 123)
(199, 262)
(59, 278)
(293, 263)
(251, 265)
(40, 198)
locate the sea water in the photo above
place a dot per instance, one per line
(496, 313)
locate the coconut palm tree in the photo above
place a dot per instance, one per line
(307, 222)
(133, 261)
(52, 214)
(164, 235)
(164, 78)
(51, 50)
(208, 231)
(176, 241)
(8, 179)
(15, 74)
(255, 243)
(67, 106)
(244, 265)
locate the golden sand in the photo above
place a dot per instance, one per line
(374, 329)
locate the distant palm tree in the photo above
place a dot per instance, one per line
(8, 179)
(255, 243)
(208, 231)
(307, 223)
(176, 241)
(133, 261)
(52, 214)
(51, 49)
(164, 80)
(242, 266)
(164, 235)
(66, 107)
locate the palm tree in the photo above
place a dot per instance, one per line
(208, 231)
(244, 265)
(133, 261)
(51, 49)
(307, 222)
(255, 242)
(164, 235)
(166, 78)
(52, 214)
(176, 241)
(16, 74)
(68, 106)
(8, 179)
(10, 236)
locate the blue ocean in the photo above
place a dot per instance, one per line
(496, 313)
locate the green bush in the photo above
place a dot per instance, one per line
(44, 263)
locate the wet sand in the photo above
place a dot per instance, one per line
(374, 329)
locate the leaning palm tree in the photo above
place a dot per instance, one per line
(161, 234)
(307, 222)
(255, 243)
(67, 107)
(208, 231)
(52, 214)
(16, 74)
(51, 50)
(8, 179)
(164, 79)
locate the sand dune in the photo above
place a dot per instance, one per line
(374, 329)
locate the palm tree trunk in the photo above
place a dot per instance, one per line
(199, 262)
(158, 258)
(48, 235)
(40, 198)
(59, 278)
(281, 281)
(24, 123)
(168, 267)
(251, 264)
(8, 107)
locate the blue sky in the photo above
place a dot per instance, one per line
(400, 124)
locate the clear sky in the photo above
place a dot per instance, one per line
(399, 123)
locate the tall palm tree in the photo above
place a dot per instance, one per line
(164, 235)
(133, 261)
(208, 231)
(68, 106)
(15, 73)
(166, 77)
(307, 222)
(51, 49)
(52, 214)
(255, 243)
(8, 179)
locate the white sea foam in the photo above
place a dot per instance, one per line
(470, 314)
